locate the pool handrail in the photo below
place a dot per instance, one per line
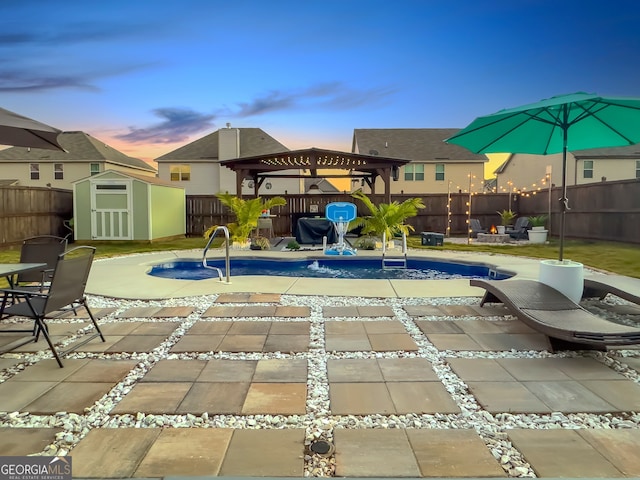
(225, 230)
(394, 262)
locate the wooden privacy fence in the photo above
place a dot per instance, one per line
(29, 211)
(599, 211)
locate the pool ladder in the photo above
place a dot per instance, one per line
(394, 262)
(224, 230)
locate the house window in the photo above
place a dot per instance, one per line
(587, 171)
(637, 168)
(34, 170)
(180, 173)
(439, 172)
(414, 172)
(58, 171)
(94, 168)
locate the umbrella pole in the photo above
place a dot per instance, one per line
(563, 201)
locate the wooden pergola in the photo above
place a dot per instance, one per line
(365, 167)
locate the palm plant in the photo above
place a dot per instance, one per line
(247, 212)
(386, 218)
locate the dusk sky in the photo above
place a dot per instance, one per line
(148, 76)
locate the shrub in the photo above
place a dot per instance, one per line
(260, 243)
(293, 245)
(365, 243)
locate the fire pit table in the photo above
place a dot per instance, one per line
(493, 238)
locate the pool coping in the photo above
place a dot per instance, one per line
(126, 277)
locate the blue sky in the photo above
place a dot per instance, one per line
(147, 76)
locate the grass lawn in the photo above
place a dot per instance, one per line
(613, 257)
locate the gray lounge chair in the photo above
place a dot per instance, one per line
(520, 229)
(476, 227)
(545, 309)
(65, 291)
(618, 285)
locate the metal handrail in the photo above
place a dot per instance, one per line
(225, 230)
(384, 251)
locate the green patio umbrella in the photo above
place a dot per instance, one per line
(578, 121)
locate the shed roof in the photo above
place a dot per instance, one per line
(80, 147)
(142, 178)
(416, 144)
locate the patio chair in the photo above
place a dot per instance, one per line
(66, 290)
(545, 309)
(476, 227)
(40, 249)
(520, 229)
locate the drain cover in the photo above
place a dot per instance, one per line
(322, 447)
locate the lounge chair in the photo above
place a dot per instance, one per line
(476, 227)
(618, 285)
(545, 309)
(65, 291)
(520, 229)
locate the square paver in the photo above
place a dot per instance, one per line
(281, 370)
(214, 398)
(511, 341)
(152, 397)
(14, 396)
(569, 396)
(139, 312)
(186, 452)
(210, 328)
(222, 311)
(156, 328)
(169, 312)
(624, 395)
(97, 370)
(391, 342)
(406, 370)
(360, 399)
(423, 310)
(347, 311)
(480, 370)
(354, 370)
(286, 343)
(258, 311)
(197, 343)
(221, 370)
(375, 311)
(511, 397)
(440, 326)
(71, 397)
(290, 328)
(175, 371)
(242, 343)
(421, 397)
(49, 371)
(290, 311)
(561, 453)
(451, 341)
(453, 453)
(374, 453)
(276, 399)
(620, 447)
(113, 452)
(347, 343)
(137, 343)
(533, 369)
(25, 441)
(384, 326)
(343, 328)
(249, 328)
(265, 453)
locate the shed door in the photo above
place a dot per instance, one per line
(111, 210)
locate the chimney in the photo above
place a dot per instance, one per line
(228, 143)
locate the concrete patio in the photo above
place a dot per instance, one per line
(404, 381)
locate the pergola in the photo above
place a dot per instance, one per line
(366, 167)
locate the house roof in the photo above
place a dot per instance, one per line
(253, 141)
(323, 184)
(416, 144)
(629, 152)
(80, 147)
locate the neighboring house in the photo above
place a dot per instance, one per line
(84, 156)
(319, 185)
(435, 167)
(196, 166)
(525, 172)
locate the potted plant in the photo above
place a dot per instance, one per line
(537, 234)
(247, 212)
(506, 219)
(386, 219)
(538, 222)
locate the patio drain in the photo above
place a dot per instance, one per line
(322, 447)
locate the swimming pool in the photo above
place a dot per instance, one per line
(325, 267)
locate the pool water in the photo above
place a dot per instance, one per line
(350, 267)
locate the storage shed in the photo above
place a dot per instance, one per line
(115, 205)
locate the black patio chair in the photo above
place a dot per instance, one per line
(66, 290)
(476, 227)
(520, 229)
(40, 249)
